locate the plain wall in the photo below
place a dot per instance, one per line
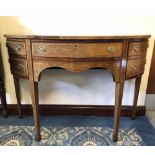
(93, 87)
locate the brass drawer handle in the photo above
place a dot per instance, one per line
(42, 50)
(136, 49)
(134, 68)
(20, 67)
(111, 49)
(18, 48)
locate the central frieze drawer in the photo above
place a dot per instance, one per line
(79, 50)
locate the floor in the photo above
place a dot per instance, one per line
(76, 131)
(80, 130)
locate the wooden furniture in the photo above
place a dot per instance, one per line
(123, 56)
(2, 89)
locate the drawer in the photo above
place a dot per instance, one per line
(138, 49)
(79, 50)
(135, 67)
(16, 48)
(19, 66)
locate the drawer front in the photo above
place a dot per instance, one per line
(19, 66)
(138, 49)
(16, 48)
(79, 50)
(135, 67)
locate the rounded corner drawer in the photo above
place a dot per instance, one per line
(16, 48)
(77, 50)
(135, 67)
(19, 67)
(137, 49)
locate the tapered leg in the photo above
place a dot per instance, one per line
(118, 102)
(136, 93)
(35, 106)
(3, 99)
(17, 90)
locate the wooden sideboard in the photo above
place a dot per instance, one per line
(123, 56)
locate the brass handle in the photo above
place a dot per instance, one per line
(136, 49)
(42, 50)
(133, 67)
(111, 49)
(18, 48)
(20, 67)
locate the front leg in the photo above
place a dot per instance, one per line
(35, 106)
(118, 101)
(136, 93)
(17, 91)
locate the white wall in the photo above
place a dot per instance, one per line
(63, 87)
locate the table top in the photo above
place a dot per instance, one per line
(75, 37)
